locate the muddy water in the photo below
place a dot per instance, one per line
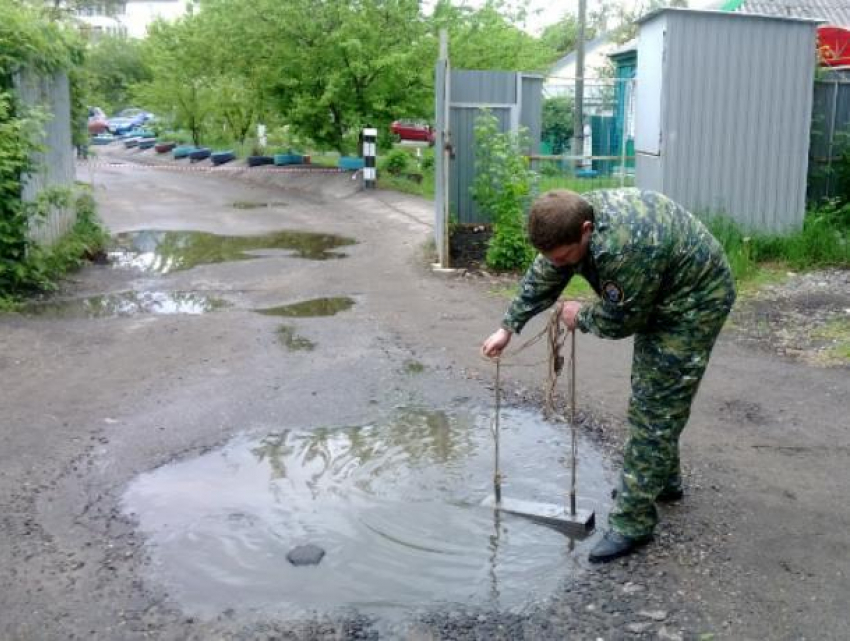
(395, 505)
(310, 308)
(126, 304)
(167, 251)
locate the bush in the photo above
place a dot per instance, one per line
(503, 188)
(395, 162)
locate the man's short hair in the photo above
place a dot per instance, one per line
(556, 218)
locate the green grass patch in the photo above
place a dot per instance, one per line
(581, 185)
(836, 332)
(425, 188)
(756, 258)
(578, 289)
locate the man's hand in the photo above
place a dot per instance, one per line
(497, 342)
(569, 312)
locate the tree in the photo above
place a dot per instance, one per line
(331, 68)
(558, 122)
(622, 17)
(180, 87)
(489, 38)
(113, 65)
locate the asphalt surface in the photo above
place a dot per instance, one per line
(757, 550)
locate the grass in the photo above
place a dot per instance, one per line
(823, 241)
(425, 189)
(578, 289)
(581, 185)
(836, 332)
(48, 265)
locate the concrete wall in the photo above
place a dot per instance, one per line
(55, 165)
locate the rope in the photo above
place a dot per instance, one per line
(555, 334)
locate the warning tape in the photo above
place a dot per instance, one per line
(222, 168)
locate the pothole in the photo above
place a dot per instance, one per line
(167, 251)
(395, 506)
(310, 308)
(128, 303)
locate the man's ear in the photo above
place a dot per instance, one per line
(586, 226)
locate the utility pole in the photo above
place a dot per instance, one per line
(578, 112)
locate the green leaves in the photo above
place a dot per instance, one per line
(503, 188)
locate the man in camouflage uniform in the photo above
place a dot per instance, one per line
(660, 276)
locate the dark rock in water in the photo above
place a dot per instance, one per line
(305, 555)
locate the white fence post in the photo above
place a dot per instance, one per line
(370, 154)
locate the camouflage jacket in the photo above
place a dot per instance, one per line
(652, 264)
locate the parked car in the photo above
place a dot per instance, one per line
(129, 119)
(97, 123)
(412, 130)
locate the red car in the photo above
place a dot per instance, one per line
(411, 130)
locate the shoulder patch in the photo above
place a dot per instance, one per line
(612, 292)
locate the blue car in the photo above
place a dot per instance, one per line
(128, 119)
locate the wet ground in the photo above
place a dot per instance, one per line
(157, 468)
(386, 502)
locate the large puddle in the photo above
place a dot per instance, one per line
(123, 304)
(395, 505)
(167, 251)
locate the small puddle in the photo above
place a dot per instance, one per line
(167, 251)
(310, 308)
(292, 341)
(395, 505)
(126, 304)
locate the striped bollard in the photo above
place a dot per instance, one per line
(370, 152)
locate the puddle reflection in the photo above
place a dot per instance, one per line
(395, 505)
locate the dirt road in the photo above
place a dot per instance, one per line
(95, 405)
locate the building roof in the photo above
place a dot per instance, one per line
(602, 41)
(834, 12)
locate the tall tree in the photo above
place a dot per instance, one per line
(113, 65)
(180, 87)
(491, 38)
(334, 67)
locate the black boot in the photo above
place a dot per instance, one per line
(670, 494)
(613, 545)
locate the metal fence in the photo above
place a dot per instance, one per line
(830, 138)
(604, 156)
(54, 165)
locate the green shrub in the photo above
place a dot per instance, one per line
(427, 162)
(503, 188)
(395, 162)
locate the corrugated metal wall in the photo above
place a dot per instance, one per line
(830, 136)
(55, 164)
(736, 104)
(462, 171)
(514, 98)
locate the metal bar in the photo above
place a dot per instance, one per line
(482, 105)
(573, 423)
(573, 157)
(497, 474)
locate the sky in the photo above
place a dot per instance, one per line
(546, 12)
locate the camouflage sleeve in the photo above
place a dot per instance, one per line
(538, 290)
(626, 303)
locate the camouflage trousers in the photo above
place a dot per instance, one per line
(667, 368)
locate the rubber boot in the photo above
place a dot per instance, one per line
(613, 545)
